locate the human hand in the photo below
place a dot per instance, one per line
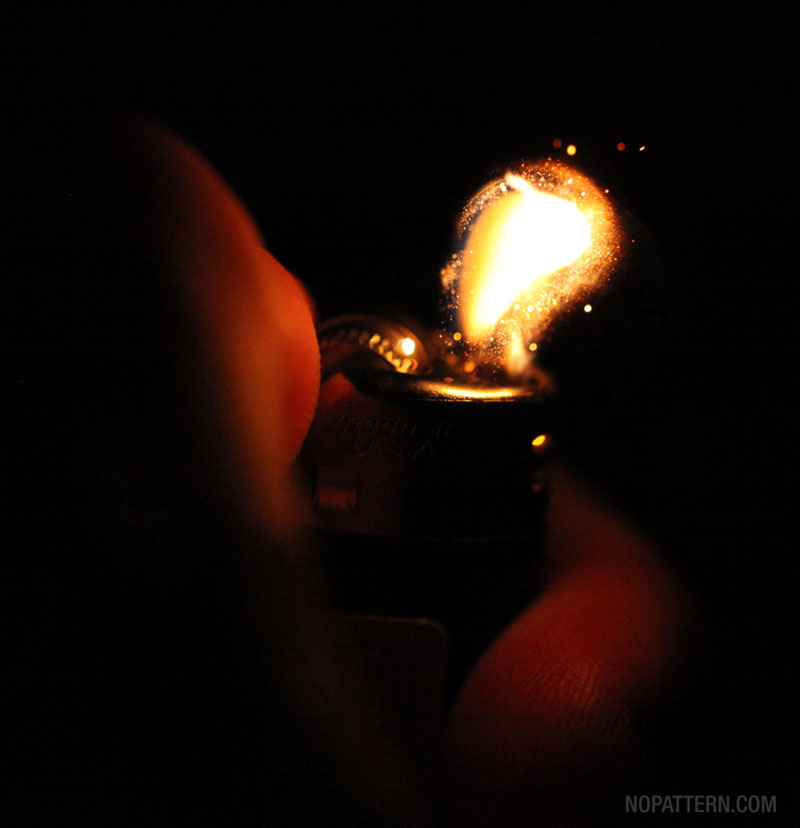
(547, 727)
(543, 729)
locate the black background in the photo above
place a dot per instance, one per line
(355, 136)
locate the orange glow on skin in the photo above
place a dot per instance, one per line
(579, 674)
(255, 330)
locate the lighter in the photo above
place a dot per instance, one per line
(426, 461)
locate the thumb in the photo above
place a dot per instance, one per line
(546, 726)
(252, 320)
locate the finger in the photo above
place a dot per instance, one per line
(252, 318)
(257, 335)
(545, 724)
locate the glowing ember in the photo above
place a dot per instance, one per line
(534, 242)
(407, 346)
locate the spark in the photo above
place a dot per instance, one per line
(407, 346)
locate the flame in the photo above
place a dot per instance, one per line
(515, 241)
(534, 242)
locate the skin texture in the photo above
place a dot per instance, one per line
(546, 723)
(544, 729)
(254, 319)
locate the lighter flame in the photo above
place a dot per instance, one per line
(516, 241)
(534, 243)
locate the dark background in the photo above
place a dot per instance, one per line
(354, 137)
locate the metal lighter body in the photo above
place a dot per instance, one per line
(429, 493)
